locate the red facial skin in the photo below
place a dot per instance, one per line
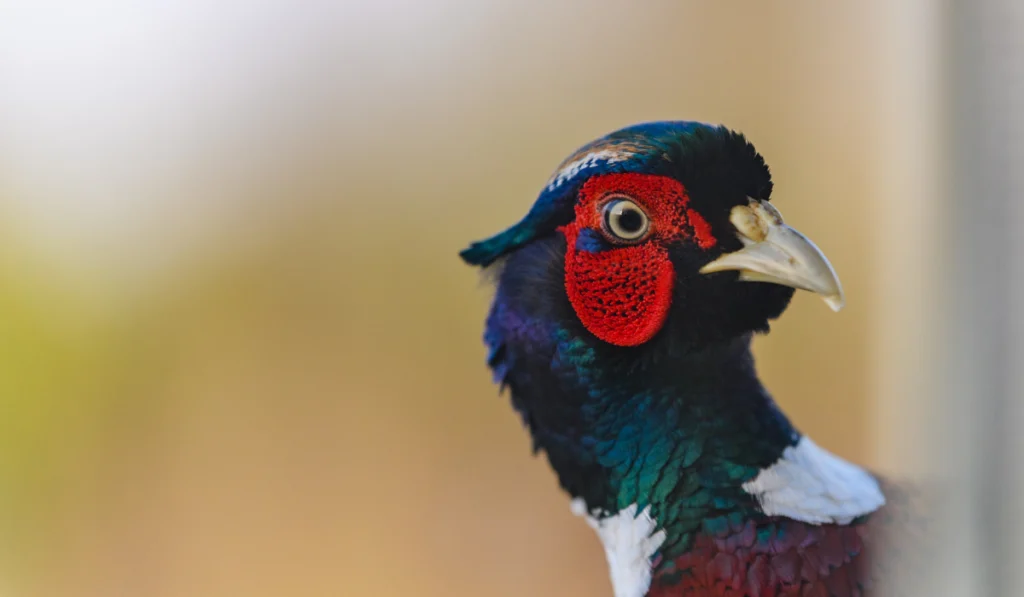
(623, 294)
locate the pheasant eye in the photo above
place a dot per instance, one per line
(624, 220)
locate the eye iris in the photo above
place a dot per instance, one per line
(625, 220)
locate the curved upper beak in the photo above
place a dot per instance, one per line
(777, 253)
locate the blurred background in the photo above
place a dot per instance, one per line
(240, 356)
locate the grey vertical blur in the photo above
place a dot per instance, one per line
(984, 290)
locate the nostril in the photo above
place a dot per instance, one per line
(748, 223)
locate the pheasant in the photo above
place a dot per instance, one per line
(625, 305)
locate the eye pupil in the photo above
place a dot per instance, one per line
(631, 220)
(625, 220)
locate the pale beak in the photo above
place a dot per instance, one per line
(776, 253)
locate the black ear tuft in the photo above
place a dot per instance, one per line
(486, 252)
(477, 254)
(552, 209)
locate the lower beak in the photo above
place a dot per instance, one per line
(777, 253)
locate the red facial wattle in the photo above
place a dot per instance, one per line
(622, 294)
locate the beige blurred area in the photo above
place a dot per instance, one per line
(238, 352)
